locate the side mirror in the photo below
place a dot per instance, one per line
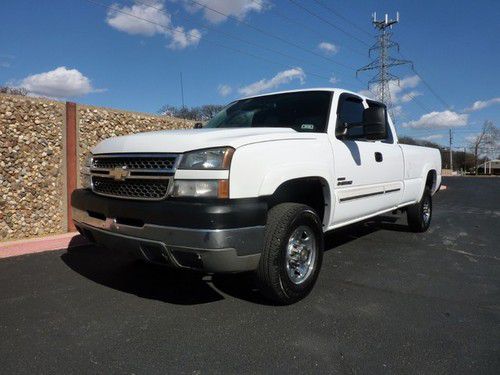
(341, 129)
(198, 125)
(374, 123)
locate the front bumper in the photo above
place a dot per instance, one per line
(209, 241)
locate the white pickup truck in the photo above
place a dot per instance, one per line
(256, 188)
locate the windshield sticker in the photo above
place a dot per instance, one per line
(307, 126)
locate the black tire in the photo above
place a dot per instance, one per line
(283, 221)
(419, 215)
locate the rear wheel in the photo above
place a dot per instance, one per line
(419, 215)
(292, 254)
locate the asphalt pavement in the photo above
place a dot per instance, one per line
(386, 301)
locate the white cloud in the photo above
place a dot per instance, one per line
(135, 26)
(405, 83)
(328, 48)
(132, 20)
(408, 82)
(224, 90)
(5, 61)
(396, 111)
(333, 80)
(409, 96)
(58, 83)
(481, 104)
(182, 39)
(397, 90)
(433, 137)
(367, 93)
(472, 138)
(236, 8)
(281, 78)
(437, 120)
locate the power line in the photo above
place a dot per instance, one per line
(229, 35)
(305, 26)
(173, 29)
(271, 35)
(446, 105)
(383, 62)
(441, 100)
(429, 87)
(328, 22)
(342, 17)
(414, 99)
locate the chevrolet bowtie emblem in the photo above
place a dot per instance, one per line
(119, 173)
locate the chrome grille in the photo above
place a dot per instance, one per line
(135, 162)
(133, 176)
(134, 189)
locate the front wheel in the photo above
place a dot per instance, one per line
(419, 215)
(292, 254)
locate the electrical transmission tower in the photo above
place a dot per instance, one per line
(383, 61)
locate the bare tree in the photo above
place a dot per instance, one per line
(203, 113)
(208, 111)
(486, 142)
(13, 90)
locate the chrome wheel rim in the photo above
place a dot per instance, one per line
(301, 254)
(426, 210)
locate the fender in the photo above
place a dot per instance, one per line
(425, 172)
(274, 180)
(281, 174)
(258, 169)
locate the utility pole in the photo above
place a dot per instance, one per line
(465, 160)
(383, 61)
(451, 151)
(182, 91)
(182, 99)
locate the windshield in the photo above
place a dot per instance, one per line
(305, 111)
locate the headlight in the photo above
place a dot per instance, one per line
(201, 188)
(85, 172)
(214, 158)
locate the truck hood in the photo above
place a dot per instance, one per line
(177, 141)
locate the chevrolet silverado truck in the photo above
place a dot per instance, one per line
(256, 187)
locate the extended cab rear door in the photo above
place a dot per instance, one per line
(369, 174)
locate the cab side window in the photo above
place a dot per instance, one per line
(354, 122)
(350, 117)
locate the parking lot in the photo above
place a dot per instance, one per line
(387, 301)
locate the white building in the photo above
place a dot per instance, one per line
(489, 167)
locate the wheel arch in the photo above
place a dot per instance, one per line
(431, 180)
(313, 191)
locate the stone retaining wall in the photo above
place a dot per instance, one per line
(95, 124)
(33, 158)
(31, 167)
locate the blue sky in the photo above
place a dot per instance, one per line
(84, 52)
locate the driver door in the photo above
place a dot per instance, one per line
(369, 174)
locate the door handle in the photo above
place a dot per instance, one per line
(378, 157)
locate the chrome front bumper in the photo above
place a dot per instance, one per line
(211, 250)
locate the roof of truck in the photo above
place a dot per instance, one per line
(332, 89)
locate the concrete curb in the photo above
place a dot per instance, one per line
(39, 245)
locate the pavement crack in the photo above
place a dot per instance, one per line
(466, 253)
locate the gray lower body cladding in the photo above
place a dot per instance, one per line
(209, 250)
